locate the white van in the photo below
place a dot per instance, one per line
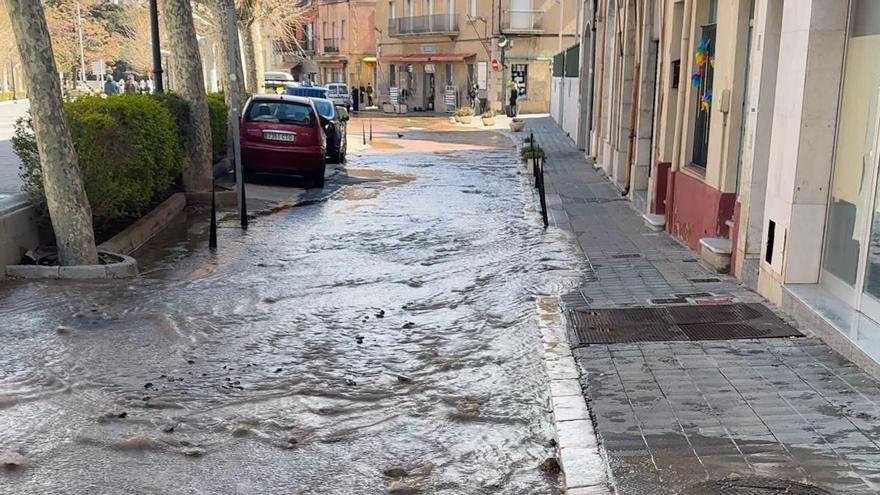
(339, 94)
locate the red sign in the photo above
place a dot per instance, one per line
(495, 64)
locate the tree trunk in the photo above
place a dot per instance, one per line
(189, 83)
(69, 207)
(250, 65)
(233, 77)
(259, 58)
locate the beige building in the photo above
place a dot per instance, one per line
(346, 50)
(337, 44)
(432, 51)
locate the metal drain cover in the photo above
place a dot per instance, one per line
(676, 323)
(753, 485)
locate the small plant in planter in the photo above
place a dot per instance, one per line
(465, 115)
(488, 118)
(528, 152)
(516, 125)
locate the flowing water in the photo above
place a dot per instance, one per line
(382, 341)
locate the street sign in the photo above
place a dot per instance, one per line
(495, 64)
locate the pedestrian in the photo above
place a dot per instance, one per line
(109, 86)
(472, 94)
(355, 99)
(369, 95)
(142, 87)
(120, 86)
(150, 88)
(131, 87)
(513, 89)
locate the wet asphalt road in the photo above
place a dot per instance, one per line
(384, 340)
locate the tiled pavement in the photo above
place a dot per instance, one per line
(673, 414)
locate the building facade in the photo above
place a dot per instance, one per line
(347, 41)
(431, 52)
(750, 129)
(337, 43)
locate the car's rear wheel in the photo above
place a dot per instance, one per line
(317, 180)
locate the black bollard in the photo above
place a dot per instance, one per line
(364, 130)
(212, 235)
(371, 128)
(243, 212)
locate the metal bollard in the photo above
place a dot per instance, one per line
(212, 234)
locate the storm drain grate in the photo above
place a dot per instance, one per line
(675, 323)
(669, 300)
(708, 280)
(753, 485)
(626, 256)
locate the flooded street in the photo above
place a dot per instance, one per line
(384, 340)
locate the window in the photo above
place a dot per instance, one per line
(342, 29)
(392, 11)
(409, 8)
(472, 8)
(310, 36)
(324, 31)
(702, 81)
(334, 31)
(450, 80)
(392, 75)
(280, 112)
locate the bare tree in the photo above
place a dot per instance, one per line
(190, 85)
(68, 205)
(284, 17)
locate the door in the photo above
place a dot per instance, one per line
(851, 264)
(429, 91)
(520, 14)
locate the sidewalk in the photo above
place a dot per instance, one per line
(700, 416)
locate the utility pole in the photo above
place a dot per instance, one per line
(158, 85)
(561, 21)
(82, 57)
(235, 111)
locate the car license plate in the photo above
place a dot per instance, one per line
(279, 136)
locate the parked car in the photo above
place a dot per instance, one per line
(277, 79)
(283, 135)
(339, 94)
(308, 91)
(334, 120)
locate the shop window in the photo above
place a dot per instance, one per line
(392, 75)
(704, 61)
(450, 80)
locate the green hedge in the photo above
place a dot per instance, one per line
(219, 113)
(129, 149)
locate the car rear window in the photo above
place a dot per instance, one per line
(325, 108)
(339, 90)
(283, 112)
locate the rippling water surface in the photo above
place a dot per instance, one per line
(384, 340)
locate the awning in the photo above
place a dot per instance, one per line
(429, 57)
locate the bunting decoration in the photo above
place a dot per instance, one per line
(703, 62)
(706, 101)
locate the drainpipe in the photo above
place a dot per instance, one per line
(597, 123)
(592, 81)
(684, 81)
(634, 105)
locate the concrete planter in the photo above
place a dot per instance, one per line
(388, 108)
(488, 121)
(517, 125)
(466, 119)
(122, 266)
(138, 233)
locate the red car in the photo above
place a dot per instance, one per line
(282, 134)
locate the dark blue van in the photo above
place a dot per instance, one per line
(308, 91)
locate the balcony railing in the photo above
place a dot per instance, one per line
(423, 24)
(523, 21)
(289, 48)
(331, 45)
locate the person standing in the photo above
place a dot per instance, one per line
(131, 87)
(369, 94)
(355, 98)
(109, 86)
(142, 87)
(513, 90)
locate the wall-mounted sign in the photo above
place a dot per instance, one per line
(429, 68)
(429, 48)
(495, 64)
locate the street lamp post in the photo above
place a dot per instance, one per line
(82, 57)
(157, 54)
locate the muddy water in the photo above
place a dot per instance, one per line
(384, 340)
